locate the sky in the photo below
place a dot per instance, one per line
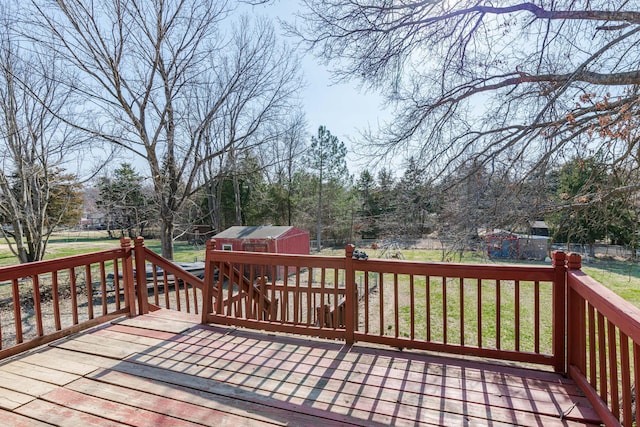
(343, 108)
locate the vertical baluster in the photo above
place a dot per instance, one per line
(336, 302)
(636, 379)
(613, 368)
(274, 295)
(17, 315)
(381, 302)
(251, 314)
(176, 290)
(194, 290)
(498, 314)
(516, 297)
(297, 298)
(74, 295)
(285, 295)
(56, 300)
(626, 379)
(263, 293)
(412, 308)
(232, 279)
(444, 310)
(536, 322)
(156, 286)
(602, 353)
(479, 308)
(37, 305)
(428, 306)
(396, 306)
(116, 283)
(103, 288)
(310, 307)
(165, 275)
(592, 346)
(89, 287)
(321, 307)
(366, 302)
(462, 311)
(186, 295)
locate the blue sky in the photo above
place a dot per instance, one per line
(342, 108)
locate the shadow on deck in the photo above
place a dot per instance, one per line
(164, 368)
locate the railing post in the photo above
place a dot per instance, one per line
(559, 311)
(208, 283)
(576, 321)
(127, 276)
(351, 301)
(141, 276)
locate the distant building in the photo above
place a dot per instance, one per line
(502, 244)
(539, 228)
(264, 238)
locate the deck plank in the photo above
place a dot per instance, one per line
(130, 414)
(184, 408)
(99, 346)
(166, 368)
(158, 323)
(219, 402)
(11, 399)
(62, 416)
(25, 385)
(16, 420)
(43, 373)
(342, 378)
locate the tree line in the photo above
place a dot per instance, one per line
(386, 205)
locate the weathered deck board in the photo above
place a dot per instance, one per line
(11, 399)
(42, 373)
(17, 420)
(352, 378)
(165, 369)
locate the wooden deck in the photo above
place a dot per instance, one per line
(164, 369)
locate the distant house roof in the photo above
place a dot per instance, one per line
(253, 232)
(539, 224)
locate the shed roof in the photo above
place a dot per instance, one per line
(253, 232)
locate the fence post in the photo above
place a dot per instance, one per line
(127, 276)
(559, 311)
(141, 276)
(576, 320)
(351, 301)
(208, 283)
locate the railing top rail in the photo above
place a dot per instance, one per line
(616, 309)
(42, 267)
(480, 271)
(170, 267)
(279, 259)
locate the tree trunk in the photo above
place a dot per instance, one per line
(237, 200)
(166, 236)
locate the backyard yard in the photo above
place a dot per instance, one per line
(450, 298)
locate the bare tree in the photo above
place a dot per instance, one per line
(35, 195)
(250, 119)
(140, 63)
(522, 83)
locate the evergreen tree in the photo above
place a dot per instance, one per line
(326, 157)
(123, 201)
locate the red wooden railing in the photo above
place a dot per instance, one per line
(604, 347)
(52, 299)
(455, 308)
(163, 283)
(520, 313)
